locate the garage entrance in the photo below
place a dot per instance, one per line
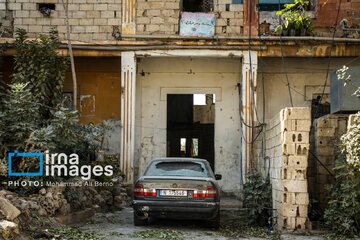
(190, 126)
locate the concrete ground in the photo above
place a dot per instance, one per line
(119, 225)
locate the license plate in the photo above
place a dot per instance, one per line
(174, 193)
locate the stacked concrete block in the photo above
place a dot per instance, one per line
(327, 132)
(287, 146)
(6, 20)
(89, 20)
(158, 17)
(229, 19)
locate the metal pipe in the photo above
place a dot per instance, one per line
(163, 47)
(243, 38)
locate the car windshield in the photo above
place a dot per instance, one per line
(188, 169)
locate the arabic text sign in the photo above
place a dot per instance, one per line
(197, 24)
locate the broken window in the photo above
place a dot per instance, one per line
(198, 5)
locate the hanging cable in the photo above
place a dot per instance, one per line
(283, 62)
(329, 59)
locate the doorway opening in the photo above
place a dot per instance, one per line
(190, 126)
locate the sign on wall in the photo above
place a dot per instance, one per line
(197, 24)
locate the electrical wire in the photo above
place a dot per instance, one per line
(283, 63)
(329, 59)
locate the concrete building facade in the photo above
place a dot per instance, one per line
(139, 75)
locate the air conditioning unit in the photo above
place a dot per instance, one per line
(342, 98)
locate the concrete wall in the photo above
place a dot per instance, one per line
(156, 76)
(89, 20)
(163, 17)
(306, 77)
(287, 145)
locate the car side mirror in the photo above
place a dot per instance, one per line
(218, 176)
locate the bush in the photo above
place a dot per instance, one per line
(257, 197)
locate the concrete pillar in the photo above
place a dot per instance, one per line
(128, 17)
(248, 97)
(128, 87)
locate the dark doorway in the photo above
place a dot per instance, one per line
(190, 126)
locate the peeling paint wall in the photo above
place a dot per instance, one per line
(158, 75)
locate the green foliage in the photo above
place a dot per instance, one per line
(343, 212)
(294, 18)
(20, 117)
(161, 234)
(38, 63)
(257, 197)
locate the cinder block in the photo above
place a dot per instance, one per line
(22, 14)
(152, 28)
(290, 210)
(92, 29)
(172, 5)
(301, 223)
(143, 20)
(101, 7)
(35, 29)
(92, 14)
(79, 14)
(86, 7)
(114, 6)
(78, 29)
(114, 21)
(153, 13)
(29, 6)
(100, 21)
(295, 186)
(107, 14)
(302, 198)
(295, 137)
(14, 6)
(296, 113)
(86, 22)
(298, 161)
(157, 5)
(237, 7)
(227, 15)
(157, 20)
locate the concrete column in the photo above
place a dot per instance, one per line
(248, 98)
(128, 17)
(128, 87)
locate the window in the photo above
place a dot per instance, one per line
(180, 168)
(198, 5)
(273, 5)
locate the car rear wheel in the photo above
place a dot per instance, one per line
(216, 222)
(140, 220)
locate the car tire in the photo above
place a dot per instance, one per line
(216, 222)
(139, 221)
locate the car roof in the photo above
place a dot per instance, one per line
(179, 159)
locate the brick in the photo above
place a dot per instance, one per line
(157, 5)
(43, 21)
(237, 7)
(172, 20)
(74, 21)
(290, 210)
(227, 14)
(116, 6)
(143, 5)
(37, 14)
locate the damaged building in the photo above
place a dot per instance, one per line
(208, 79)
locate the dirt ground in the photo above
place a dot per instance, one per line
(119, 225)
